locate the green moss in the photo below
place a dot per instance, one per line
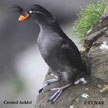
(87, 17)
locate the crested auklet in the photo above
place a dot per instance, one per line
(58, 51)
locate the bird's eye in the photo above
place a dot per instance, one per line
(30, 11)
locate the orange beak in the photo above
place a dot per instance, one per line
(22, 17)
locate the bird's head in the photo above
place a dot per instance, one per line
(35, 12)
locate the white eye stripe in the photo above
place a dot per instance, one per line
(39, 12)
(35, 12)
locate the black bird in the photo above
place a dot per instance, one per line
(58, 51)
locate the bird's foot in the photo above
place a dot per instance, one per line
(56, 92)
(48, 82)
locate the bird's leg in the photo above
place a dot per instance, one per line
(48, 82)
(56, 92)
(54, 75)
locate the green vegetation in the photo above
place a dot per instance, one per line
(87, 17)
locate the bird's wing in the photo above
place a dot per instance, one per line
(71, 52)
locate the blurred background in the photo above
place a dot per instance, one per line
(22, 69)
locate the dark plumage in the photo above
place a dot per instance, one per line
(18, 9)
(59, 52)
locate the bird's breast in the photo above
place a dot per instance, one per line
(48, 44)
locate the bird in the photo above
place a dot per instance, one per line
(57, 49)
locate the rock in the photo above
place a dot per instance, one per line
(88, 41)
(97, 58)
(72, 97)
